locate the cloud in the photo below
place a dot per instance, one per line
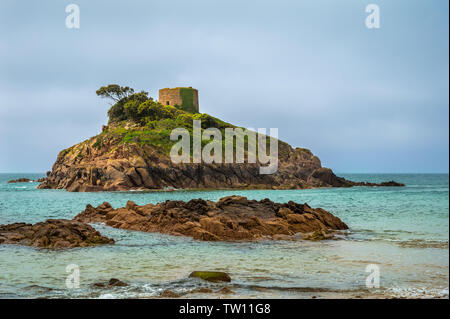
(363, 100)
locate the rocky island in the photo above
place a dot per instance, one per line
(231, 218)
(133, 152)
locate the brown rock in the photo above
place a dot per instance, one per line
(225, 290)
(21, 180)
(212, 276)
(114, 282)
(201, 290)
(53, 233)
(231, 218)
(169, 294)
(111, 165)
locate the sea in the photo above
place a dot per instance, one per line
(396, 247)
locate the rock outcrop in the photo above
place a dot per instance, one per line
(119, 166)
(133, 153)
(212, 276)
(26, 180)
(231, 218)
(20, 180)
(113, 282)
(53, 233)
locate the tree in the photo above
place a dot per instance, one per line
(121, 95)
(115, 92)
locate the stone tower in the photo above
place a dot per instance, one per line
(185, 98)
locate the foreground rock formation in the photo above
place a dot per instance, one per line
(53, 233)
(231, 218)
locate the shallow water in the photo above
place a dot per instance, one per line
(404, 231)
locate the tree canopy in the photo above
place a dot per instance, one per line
(115, 92)
(121, 95)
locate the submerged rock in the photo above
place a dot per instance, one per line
(231, 218)
(114, 282)
(169, 294)
(53, 233)
(201, 290)
(20, 180)
(225, 290)
(213, 276)
(318, 235)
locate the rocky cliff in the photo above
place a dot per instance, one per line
(117, 166)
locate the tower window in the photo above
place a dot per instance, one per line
(167, 103)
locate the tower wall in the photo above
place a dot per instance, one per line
(185, 98)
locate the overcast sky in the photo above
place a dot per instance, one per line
(363, 100)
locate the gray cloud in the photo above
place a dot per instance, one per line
(363, 100)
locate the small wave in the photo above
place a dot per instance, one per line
(422, 244)
(414, 243)
(417, 293)
(289, 289)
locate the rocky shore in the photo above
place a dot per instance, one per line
(53, 233)
(232, 218)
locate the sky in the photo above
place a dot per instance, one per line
(363, 100)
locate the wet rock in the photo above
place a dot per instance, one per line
(317, 235)
(26, 180)
(391, 183)
(212, 276)
(169, 294)
(231, 218)
(114, 282)
(225, 290)
(201, 290)
(21, 180)
(53, 233)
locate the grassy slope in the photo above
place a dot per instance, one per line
(156, 132)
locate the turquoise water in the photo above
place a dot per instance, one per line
(404, 231)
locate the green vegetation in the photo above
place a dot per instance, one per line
(213, 276)
(121, 96)
(136, 118)
(98, 143)
(115, 92)
(155, 128)
(187, 98)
